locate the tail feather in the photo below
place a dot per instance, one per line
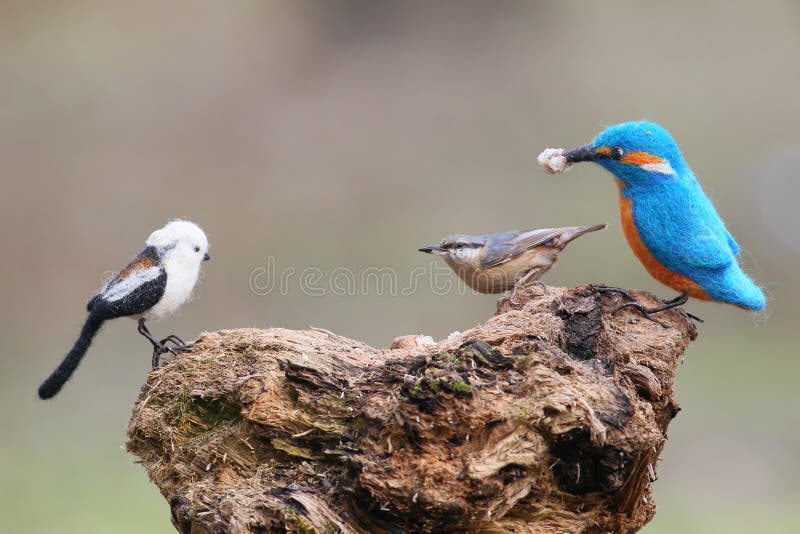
(742, 291)
(568, 234)
(63, 372)
(591, 228)
(733, 286)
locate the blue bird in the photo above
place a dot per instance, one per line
(669, 222)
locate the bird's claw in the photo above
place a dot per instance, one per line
(513, 297)
(174, 339)
(695, 317)
(178, 346)
(541, 285)
(609, 289)
(680, 300)
(645, 311)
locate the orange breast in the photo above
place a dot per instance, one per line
(667, 277)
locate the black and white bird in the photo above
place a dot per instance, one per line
(153, 286)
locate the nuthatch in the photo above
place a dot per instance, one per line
(153, 286)
(497, 263)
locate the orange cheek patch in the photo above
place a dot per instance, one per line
(641, 158)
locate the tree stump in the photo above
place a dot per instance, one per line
(548, 418)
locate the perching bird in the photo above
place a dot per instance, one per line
(500, 262)
(153, 286)
(668, 220)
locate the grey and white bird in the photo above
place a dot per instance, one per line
(154, 285)
(496, 263)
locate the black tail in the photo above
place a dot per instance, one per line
(56, 381)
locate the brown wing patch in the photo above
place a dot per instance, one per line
(141, 262)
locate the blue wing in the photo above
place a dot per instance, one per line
(732, 243)
(681, 228)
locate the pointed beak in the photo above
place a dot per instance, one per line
(433, 249)
(584, 153)
(206, 256)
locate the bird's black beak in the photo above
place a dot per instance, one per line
(584, 153)
(433, 249)
(206, 256)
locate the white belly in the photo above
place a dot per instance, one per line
(180, 283)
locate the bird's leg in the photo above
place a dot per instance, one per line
(146, 333)
(522, 282)
(177, 343)
(159, 347)
(155, 362)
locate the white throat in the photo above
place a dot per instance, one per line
(182, 276)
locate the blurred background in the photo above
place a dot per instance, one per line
(347, 134)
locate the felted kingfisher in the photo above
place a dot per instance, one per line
(669, 222)
(153, 286)
(500, 262)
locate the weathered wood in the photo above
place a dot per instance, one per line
(549, 418)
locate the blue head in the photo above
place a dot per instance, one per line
(638, 153)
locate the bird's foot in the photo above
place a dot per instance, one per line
(611, 289)
(174, 339)
(163, 347)
(159, 347)
(666, 304)
(680, 300)
(177, 344)
(540, 284)
(513, 297)
(647, 312)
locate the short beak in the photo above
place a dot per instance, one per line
(584, 153)
(206, 256)
(433, 249)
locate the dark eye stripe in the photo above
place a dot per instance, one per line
(461, 244)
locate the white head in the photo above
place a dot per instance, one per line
(181, 246)
(180, 242)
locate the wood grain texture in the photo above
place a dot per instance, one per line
(548, 418)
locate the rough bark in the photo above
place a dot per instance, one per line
(550, 417)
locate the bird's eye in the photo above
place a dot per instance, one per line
(617, 153)
(197, 249)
